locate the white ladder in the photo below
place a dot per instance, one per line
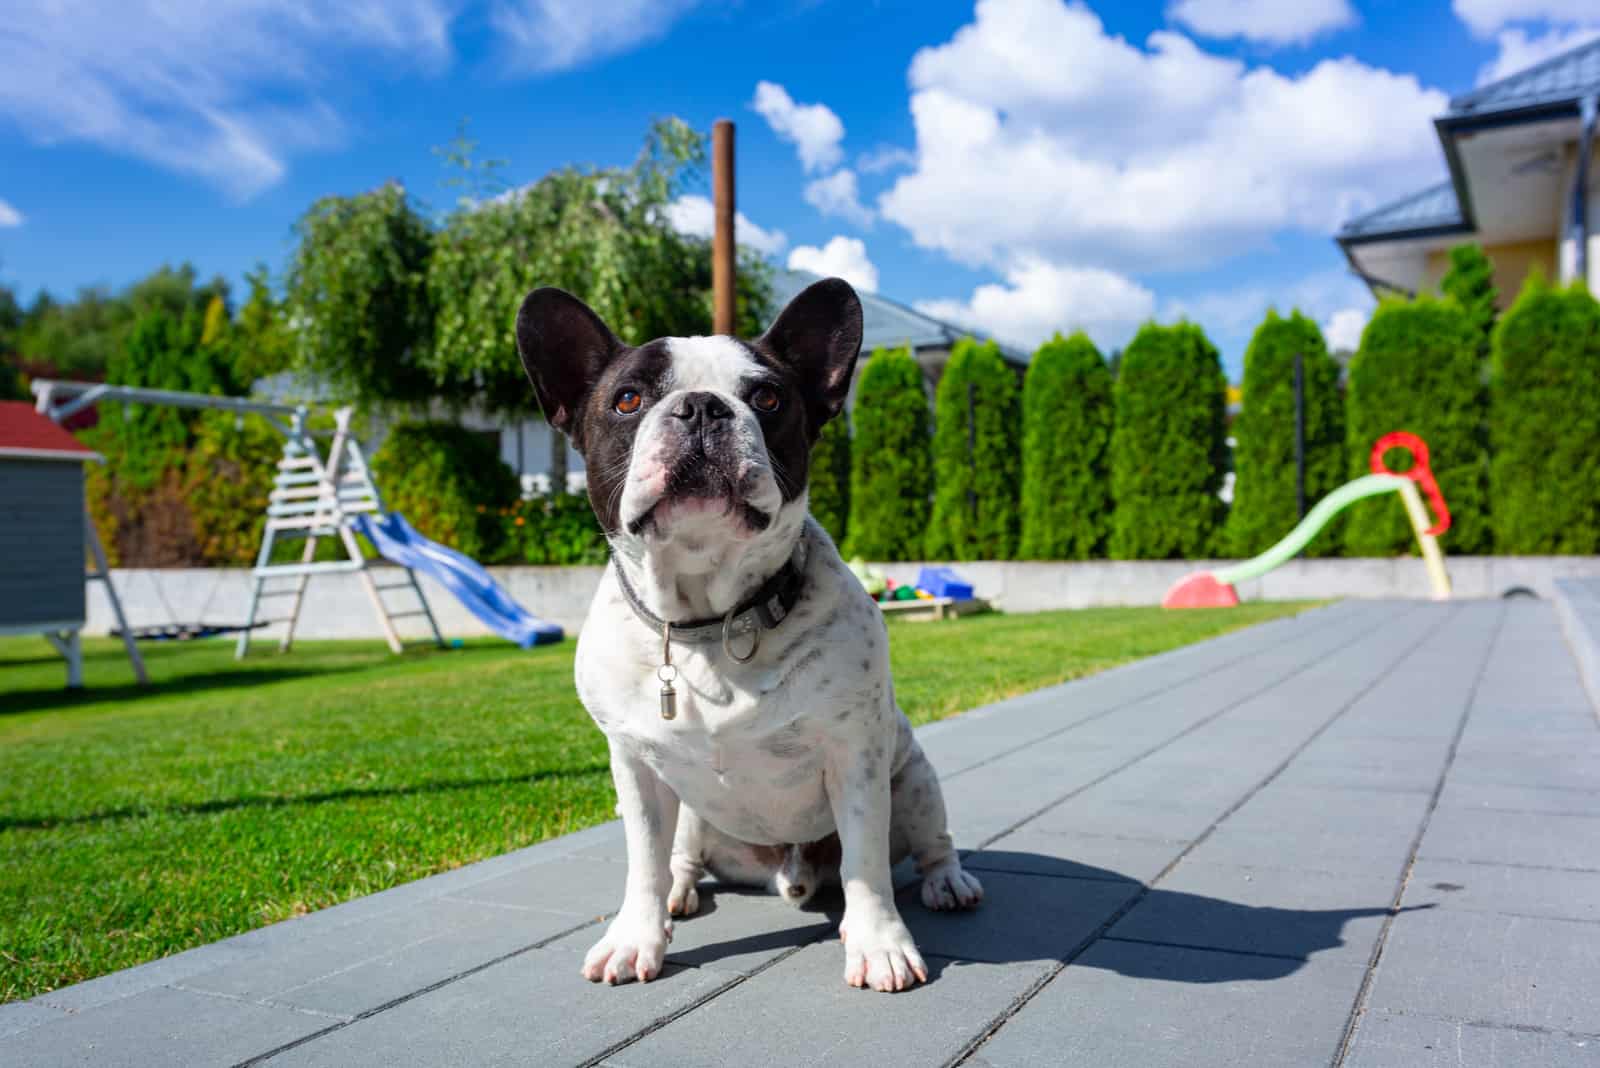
(313, 499)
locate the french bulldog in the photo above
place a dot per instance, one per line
(738, 669)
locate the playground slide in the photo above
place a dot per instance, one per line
(485, 598)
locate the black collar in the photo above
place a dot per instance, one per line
(769, 606)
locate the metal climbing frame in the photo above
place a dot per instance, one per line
(315, 498)
(312, 498)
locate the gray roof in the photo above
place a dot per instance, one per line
(1563, 79)
(1432, 210)
(887, 324)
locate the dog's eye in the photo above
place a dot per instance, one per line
(628, 402)
(764, 399)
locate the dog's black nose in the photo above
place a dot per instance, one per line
(701, 407)
(797, 890)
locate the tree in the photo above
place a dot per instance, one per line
(1545, 422)
(1066, 437)
(1470, 283)
(891, 472)
(976, 458)
(1418, 370)
(603, 235)
(357, 293)
(830, 477)
(1168, 450)
(262, 342)
(1264, 507)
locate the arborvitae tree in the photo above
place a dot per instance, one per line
(1264, 507)
(1418, 370)
(975, 457)
(1545, 423)
(891, 464)
(830, 478)
(1470, 283)
(1168, 449)
(1066, 441)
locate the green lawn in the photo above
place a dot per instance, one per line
(138, 822)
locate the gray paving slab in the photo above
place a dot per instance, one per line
(1076, 856)
(799, 1013)
(1264, 910)
(1513, 971)
(1383, 1040)
(1129, 1004)
(534, 1009)
(161, 1026)
(1561, 895)
(1205, 845)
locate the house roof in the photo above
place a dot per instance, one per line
(1431, 210)
(25, 434)
(1563, 79)
(888, 324)
(1549, 90)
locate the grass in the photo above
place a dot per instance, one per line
(138, 822)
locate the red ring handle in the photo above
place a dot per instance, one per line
(1420, 472)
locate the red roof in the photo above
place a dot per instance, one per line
(24, 432)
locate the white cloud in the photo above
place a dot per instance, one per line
(1140, 159)
(1519, 50)
(1238, 310)
(837, 195)
(1484, 17)
(695, 215)
(885, 158)
(539, 36)
(1272, 21)
(182, 86)
(1040, 298)
(1343, 328)
(9, 216)
(842, 257)
(813, 129)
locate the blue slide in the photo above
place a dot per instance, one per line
(397, 540)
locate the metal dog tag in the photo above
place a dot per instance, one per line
(668, 674)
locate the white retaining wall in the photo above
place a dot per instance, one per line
(337, 607)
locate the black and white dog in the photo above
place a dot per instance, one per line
(738, 669)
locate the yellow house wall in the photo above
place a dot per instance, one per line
(1511, 262)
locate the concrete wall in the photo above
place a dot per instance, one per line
(337, 607)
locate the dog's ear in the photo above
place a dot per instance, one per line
(819, 336)
(565, 347)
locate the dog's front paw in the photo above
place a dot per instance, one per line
(684, 900)
(633, 948)
(881, 954)
(950, 886)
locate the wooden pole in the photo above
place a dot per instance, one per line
(722, 241)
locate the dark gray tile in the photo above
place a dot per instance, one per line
(1563, 895)
(1076, 856)
(1153, 1006)
(1383, 1040)
(1540, 838)
(800, 1012)
(1022, 918)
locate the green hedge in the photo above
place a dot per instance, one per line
(555, 529)
(891, 465)
(450, 484)
(227, 480)
(1264, 507)
(1470, 283)
(1066, 440)
(1418, 370)
(1168, 451)
(830, 478)
(1545, 423)
(975, 457)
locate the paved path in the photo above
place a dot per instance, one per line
(1366, 836)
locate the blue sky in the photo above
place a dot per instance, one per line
(1021, 165)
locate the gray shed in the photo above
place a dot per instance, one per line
(42, 541)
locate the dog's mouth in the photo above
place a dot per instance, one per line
(668, 509)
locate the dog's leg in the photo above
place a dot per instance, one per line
(635, 944)
(688, 863)
(919, 822)
(879, 951)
